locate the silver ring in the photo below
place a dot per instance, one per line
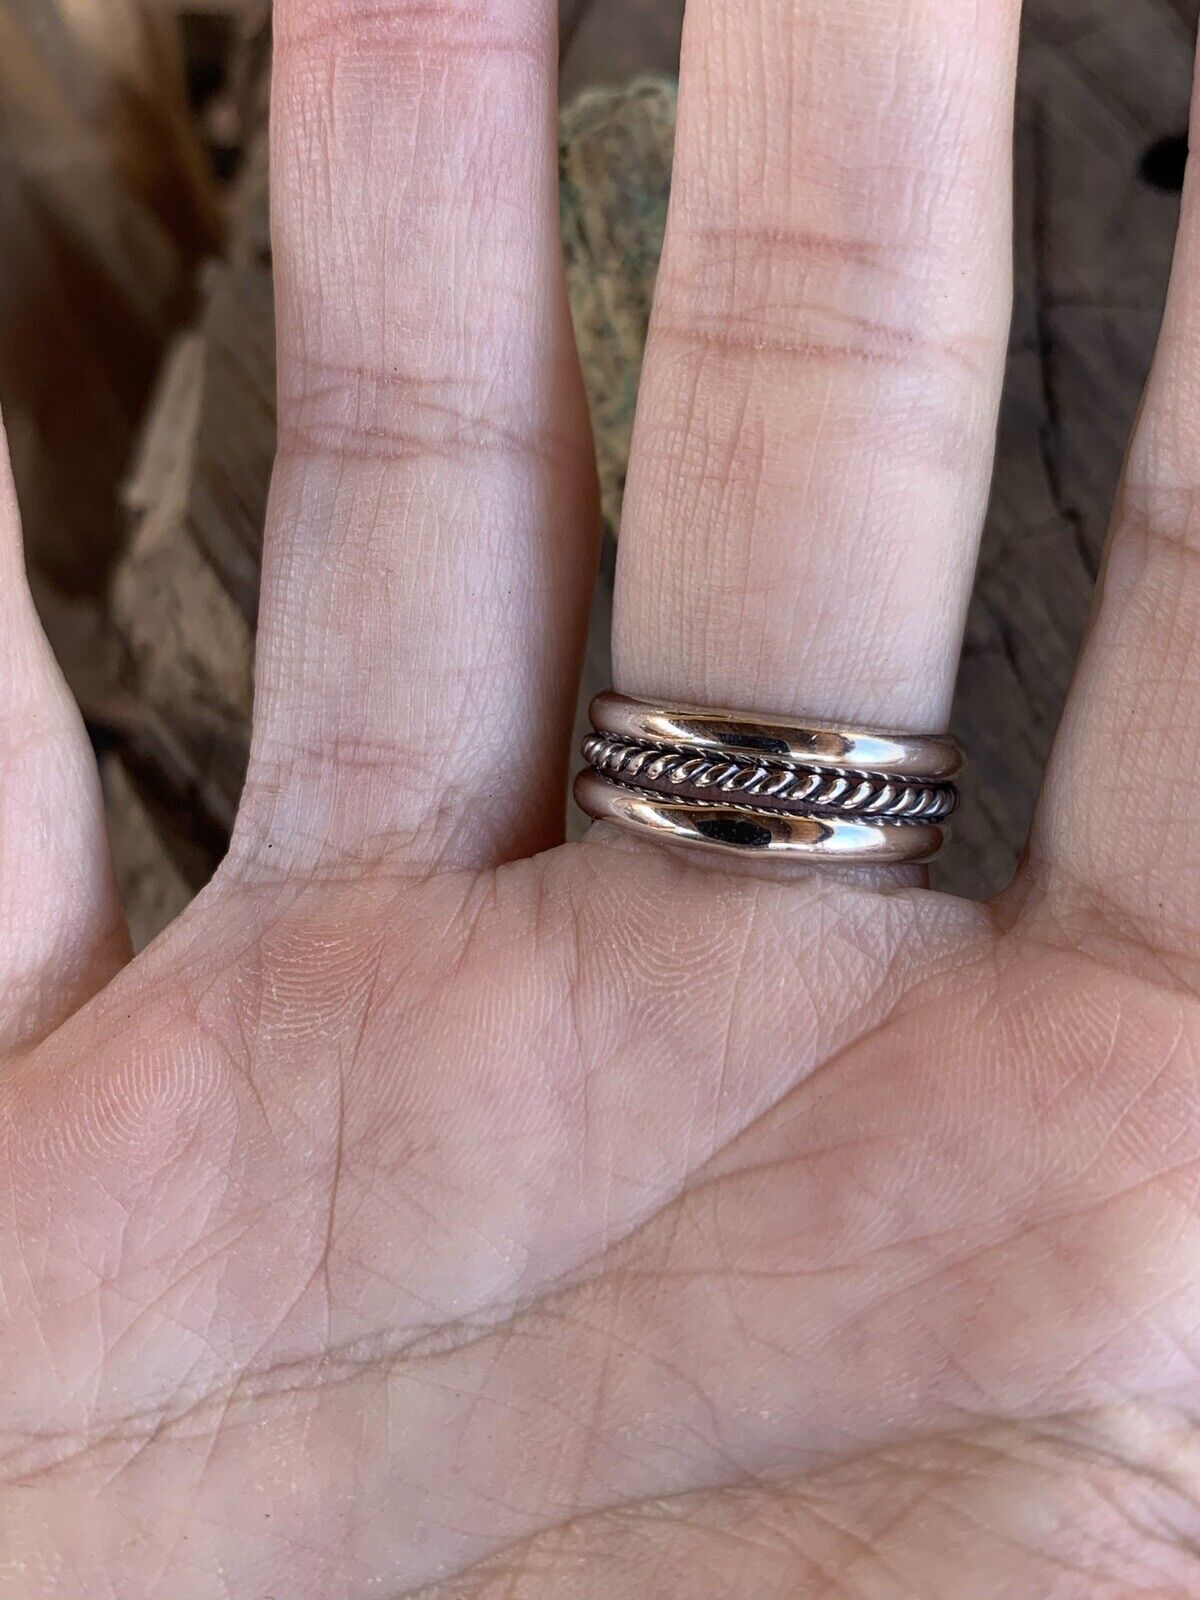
(811, 744)
(816, 791)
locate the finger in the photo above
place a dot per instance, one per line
(815, 433)
(430, 540)
(1117, 842)
(62, 932)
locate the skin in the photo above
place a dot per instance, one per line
(438, 1210)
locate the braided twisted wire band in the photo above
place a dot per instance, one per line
(849, 793)
(813, 791)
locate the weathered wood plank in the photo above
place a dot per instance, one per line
(610, 41)
(105, 208)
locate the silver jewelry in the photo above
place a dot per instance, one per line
(818, 791)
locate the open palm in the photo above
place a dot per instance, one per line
(439, 1209)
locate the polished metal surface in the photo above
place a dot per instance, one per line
(744, 831)
(926, 757)
(723, 781)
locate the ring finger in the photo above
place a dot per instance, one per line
(815, 434)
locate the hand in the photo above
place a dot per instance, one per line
(428, 1214)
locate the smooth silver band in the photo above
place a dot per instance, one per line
(930, 758)
(746, 832)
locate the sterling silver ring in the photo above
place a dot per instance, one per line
(725, 780)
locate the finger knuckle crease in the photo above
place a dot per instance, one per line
(353, 412)
(449, 28)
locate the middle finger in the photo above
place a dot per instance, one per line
(429, 547)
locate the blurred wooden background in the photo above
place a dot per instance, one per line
(119, 122)
(135, 322)
(610, 41)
